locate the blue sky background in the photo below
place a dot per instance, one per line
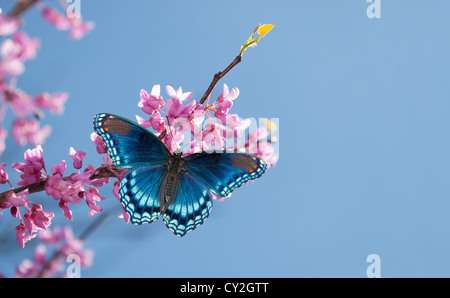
(364, 145)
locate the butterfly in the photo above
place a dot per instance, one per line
(161, 184)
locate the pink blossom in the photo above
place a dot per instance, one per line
(151, 103)
(92, 196)
(80, 29)
(28, 130)
(8, 25)
(3, 174)
(77, 27)
(60, 21)
(19, 199)
(124, 214)
(98, 141)
(258, 145)
(66, 210)
(64, 190)
(66, 244)
(77, 157)
(21, 237)
(3, 135)
(37, 219)
(11, 67)
(213, 134)
(155, 121)
(176, 109)
(21, 103)
(179, 95)
(31, 170)
(20, 46)
(52, 102)
(59, 168)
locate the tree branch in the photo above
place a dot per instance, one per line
(21, 7)
(218, 76)
(102, 172)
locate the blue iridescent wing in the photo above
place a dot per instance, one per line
(190, 207)
(140, 191)
(222, 173)
(129, 144)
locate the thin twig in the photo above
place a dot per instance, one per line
(21, 7)
(218, 76)
(91, 228)
(211, 86)
(102, 172)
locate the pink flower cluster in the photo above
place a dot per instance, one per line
(222, 130)
(15, 50)
(71, 189)
(75, 25)
(63, 243)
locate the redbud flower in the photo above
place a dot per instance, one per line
(3, 135)
(156, 122)
(79, 29)
(151, 103)
(18, 199)
(3, 174)
(21, 237)
(77, 157)
(8, 25)
(60, 21)
(179, 95)
(98, 141)
(28, 130)
(52, 102)
(92, 196)
(20, 46)
(59, 168)
(32, 167)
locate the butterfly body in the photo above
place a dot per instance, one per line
(160, 184)
(170, 182)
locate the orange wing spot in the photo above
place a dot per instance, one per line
(255, 166)
(242, 172)
(251, 171)
(106, 129)
(116, 142)
(112, 135)
(235, 176)
(105, 122)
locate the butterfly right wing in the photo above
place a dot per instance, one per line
(190, 206)
(129, 144)
(139, 193)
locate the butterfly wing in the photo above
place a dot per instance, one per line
(140, 191)
(190, 207)
(129, 144)
(222, 173)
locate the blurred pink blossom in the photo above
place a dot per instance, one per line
(78, 28)
(28, 131)
(52, 102)
(3, 174)
(8, 25)
(20, 46)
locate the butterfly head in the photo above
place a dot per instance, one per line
(178, 152)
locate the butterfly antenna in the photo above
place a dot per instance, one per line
(193, 139)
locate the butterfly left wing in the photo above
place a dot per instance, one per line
(222, 173)
(139, 193)
(129, 144)
(190, 207)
